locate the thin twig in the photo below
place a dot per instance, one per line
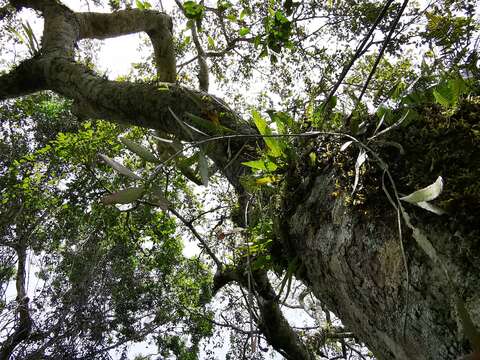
(359, 52)
(195, 233)
(382, 49)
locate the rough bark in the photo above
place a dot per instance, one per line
(157, 25)
(352, 260)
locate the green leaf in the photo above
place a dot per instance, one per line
(17, 34)
(243, 31)
(193, 10)
(232, 17)
(260, 123)
(187, 127)
(459, 87)
(140, 150)
(265, 180)
(223, 5)
(261, 165)
(188, 161)
(441, 98)
(257, 41)
(208, 125)
(261, 262)
(119, 167)
(32, 40)
(211, 42)
(272, 143)
(244, 13)
(283, 121)
(126, 196)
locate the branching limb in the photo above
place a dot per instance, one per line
(382, 50)
(201, 240)
(203, 76)
(157, 25)
(24, 79)
(359, 51)
(24, 326)
(272, 322)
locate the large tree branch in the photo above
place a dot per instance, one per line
(140, 104)
(146, 105)
(24, 79)
(273, 324)
(157, 25)
(149, 105)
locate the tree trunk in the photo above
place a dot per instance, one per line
(351, 257)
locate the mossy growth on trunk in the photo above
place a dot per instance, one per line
(448, 145)
(435, 142)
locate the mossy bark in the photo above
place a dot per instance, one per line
(351, 254)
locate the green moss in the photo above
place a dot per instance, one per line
(436, 143)
(441, 145)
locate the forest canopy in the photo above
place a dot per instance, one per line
(272, 179)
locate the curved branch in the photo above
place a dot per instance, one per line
(272, 323)
(24, 327)
(157, 25)
(24, 79)
(203, 77)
